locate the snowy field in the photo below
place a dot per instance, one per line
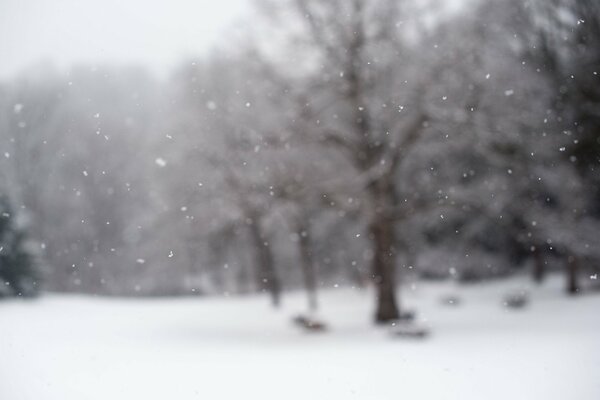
(79, 348)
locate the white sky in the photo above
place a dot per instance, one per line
(156, 33)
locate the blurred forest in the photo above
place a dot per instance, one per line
(334, 143)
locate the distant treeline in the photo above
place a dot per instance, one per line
(340, 142)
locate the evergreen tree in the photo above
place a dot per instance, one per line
(17, 270)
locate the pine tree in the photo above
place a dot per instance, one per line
(18, 275)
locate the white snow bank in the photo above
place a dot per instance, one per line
(78, 348)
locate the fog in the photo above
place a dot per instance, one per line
(381, 174)
(157, 34)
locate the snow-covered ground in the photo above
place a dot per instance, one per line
(78, 348)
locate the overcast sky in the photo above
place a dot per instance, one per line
(151, 32)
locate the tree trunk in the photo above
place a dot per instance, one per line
(539, 266)
(268, 279)
(217, 260)
(384, 258)
(572, 281)
(243, 281)
(308, 267)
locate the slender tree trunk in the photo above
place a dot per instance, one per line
(384, 259)
(192, 271)
(308, 267)
(268, 279)
(243, 280)
(539, 266)
(572, 281)
(217, 246)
